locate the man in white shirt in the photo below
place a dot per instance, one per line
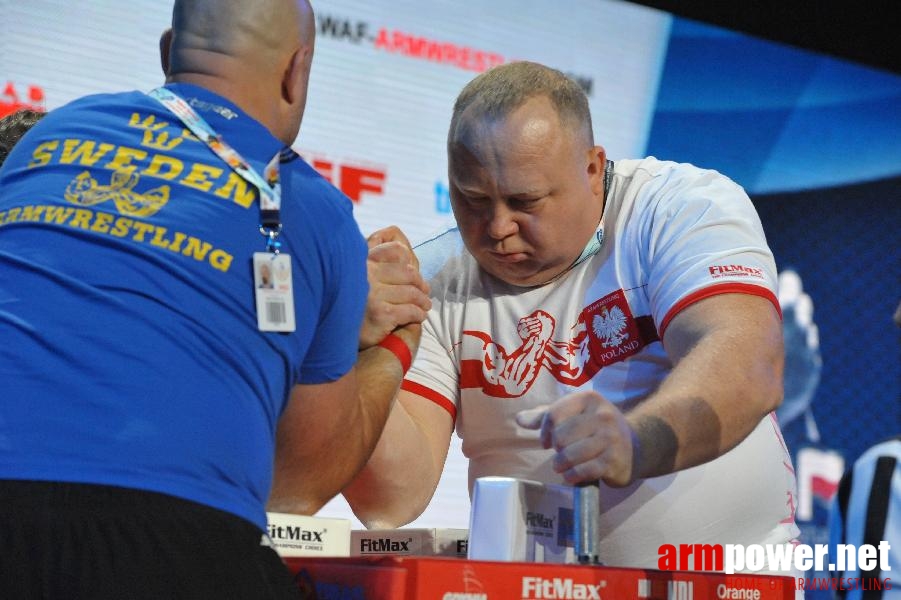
(592, 321)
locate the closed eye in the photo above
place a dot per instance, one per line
(476, 201)
(525, 204)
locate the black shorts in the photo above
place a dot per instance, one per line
(73, 541)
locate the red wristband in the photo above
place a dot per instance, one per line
(400, 349)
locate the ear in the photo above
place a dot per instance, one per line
(597, 163)
(165, 50)
(296, 75)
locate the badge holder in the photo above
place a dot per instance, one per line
(272, 281)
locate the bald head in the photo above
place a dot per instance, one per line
(247, 31)
(496, 93)
(257, 53)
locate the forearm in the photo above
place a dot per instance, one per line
(310, 466)
(719, 390)
(400, 478)
(381, 374)
(324, 440)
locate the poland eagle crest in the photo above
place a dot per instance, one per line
(609, 326)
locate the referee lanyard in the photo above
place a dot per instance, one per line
(268, 184)
(274, 301)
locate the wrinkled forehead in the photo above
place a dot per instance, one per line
(522, 135)
(505, 164)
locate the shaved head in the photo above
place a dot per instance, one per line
(257, 53)
(251, 31)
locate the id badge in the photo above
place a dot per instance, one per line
(274, 292)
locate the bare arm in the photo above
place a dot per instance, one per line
(328, 431)
(401, 476)
(403, 472)
(727, 375)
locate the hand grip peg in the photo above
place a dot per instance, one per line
(587, 509)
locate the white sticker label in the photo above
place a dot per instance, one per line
(274, 291)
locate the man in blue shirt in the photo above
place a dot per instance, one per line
(147, 382)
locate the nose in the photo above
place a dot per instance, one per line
(502, 221)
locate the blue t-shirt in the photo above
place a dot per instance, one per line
(129, 348)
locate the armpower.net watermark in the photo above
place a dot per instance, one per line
(866, 566)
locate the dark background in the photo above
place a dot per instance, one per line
(867, 32)
(844, 242)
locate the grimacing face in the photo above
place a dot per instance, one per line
(526, 191)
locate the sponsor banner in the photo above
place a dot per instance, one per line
(447, 579)
(299, 535)
(383, 81)
(409, 542)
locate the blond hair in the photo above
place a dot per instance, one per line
(497, 92)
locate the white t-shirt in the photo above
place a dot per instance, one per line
(672, 235)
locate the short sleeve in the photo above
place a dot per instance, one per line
(333, 349)
(704, 238)
(434, 372)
